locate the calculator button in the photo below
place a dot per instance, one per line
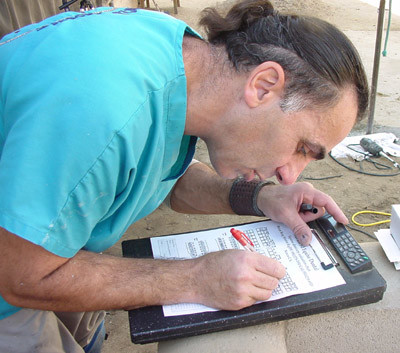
(351, 254)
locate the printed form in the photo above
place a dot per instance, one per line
(304, 272)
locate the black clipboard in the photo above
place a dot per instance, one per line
(149, 324)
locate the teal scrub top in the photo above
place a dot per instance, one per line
(93, 111)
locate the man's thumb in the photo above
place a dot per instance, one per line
(302, 232)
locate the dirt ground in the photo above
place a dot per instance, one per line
(351, 190)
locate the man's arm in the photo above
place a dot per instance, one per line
(201, 191)
(35, 278)
(32, 277)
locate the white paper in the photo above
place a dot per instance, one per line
(304, 272)
(388, 244)
(383, 139)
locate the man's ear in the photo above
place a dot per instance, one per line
(265, 82)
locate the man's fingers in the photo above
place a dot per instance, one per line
(337, 213)
(270, 267)
(260, 294)
(324, 201)
(265, 282)
(310, 216)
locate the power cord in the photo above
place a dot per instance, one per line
(321, 178)
(362, 231)
(367, 224)
(370, 224)
(362, 171)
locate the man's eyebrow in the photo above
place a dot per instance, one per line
(318, 151)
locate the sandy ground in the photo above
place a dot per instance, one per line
(352, 191)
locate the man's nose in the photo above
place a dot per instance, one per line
(288, 173)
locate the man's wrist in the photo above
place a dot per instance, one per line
(243, 196)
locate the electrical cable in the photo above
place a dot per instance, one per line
(362, 231)
(156, 6)
(360, 171)
(367, 158)
(370, 224)
(323, 178)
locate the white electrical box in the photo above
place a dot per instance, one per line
(395, 224)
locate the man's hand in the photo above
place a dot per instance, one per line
(282, 203)
(201, 190)
(234, 279)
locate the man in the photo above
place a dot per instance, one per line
(88, 148)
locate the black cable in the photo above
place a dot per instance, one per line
(367, 158)
(323, 178)
(66, 4)
(359, 171)
(362, 231)
(349, 146)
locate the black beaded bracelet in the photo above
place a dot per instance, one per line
(243, 196)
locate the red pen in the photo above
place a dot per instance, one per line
(243, 239)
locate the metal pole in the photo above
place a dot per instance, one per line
(375, 71)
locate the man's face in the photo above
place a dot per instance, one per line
(281, 144)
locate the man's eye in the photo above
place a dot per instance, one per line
(303, 151)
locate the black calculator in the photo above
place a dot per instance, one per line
(345, 245)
